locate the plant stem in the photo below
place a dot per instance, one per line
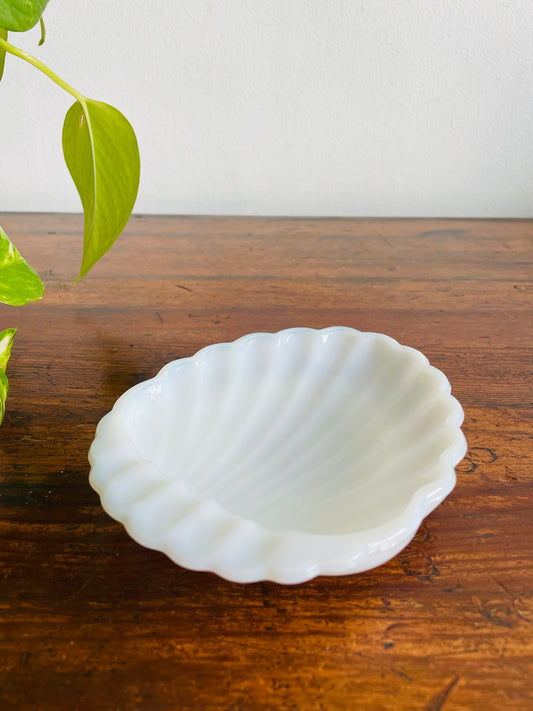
(43, 68)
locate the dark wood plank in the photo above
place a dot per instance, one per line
(90, 620)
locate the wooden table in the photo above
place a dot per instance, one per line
(91, 620)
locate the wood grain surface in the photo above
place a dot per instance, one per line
(89, 620)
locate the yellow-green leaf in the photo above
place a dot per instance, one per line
(19, 283)
(6, 341)
(102, 155)
(21, 15)
(3, 35)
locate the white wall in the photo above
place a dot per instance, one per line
(286, 107)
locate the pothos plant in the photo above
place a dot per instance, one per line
(101, 153)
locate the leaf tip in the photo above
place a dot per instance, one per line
(43, 32)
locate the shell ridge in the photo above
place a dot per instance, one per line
(309, 455)
(280, 453)
(264, 442)
(340, 453)
(209, 444)
(343, 499)
(261, 396)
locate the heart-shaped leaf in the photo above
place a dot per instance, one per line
(3, 35)
(102, 155)
(21, 15)
(19, 283)
(6, 341)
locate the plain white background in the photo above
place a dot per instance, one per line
(287, 107)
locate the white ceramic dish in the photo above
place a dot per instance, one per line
(281, 456)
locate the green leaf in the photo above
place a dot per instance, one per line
(19, 283)
(21, 15)
(3, 35)
(102, 155)
(6, 341)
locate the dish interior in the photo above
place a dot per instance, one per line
(328, 434)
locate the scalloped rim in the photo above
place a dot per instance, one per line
(285, 557)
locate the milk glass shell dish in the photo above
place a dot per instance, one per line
(281, 456)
